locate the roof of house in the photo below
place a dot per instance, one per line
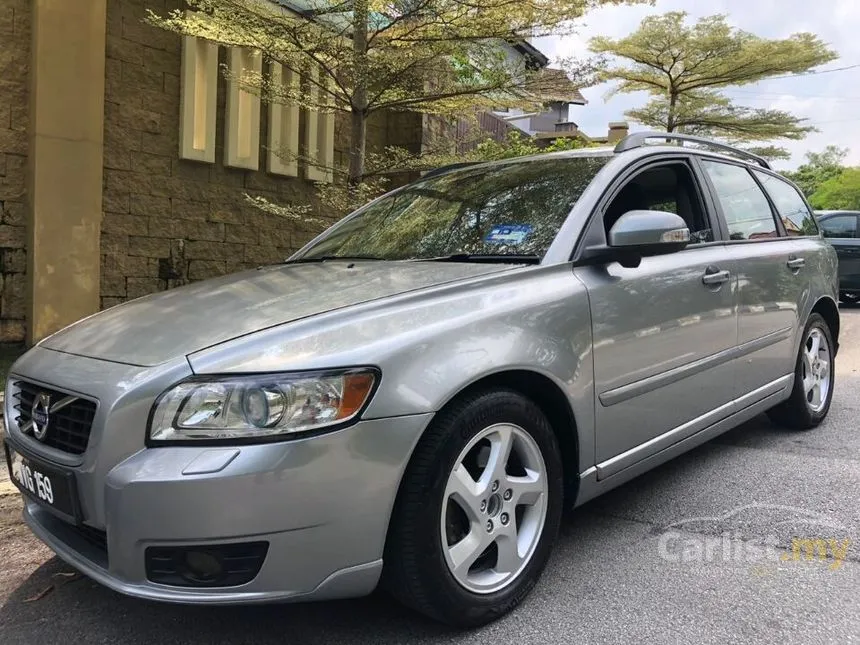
(536, 56)
(555, 85)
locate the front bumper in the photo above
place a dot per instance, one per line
(346, 583)
(321, 503)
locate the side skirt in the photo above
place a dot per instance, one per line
(605, 476)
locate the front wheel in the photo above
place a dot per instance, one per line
(478, 510)
(814, 378)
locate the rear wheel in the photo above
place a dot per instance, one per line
(478, 510)
(814, 378)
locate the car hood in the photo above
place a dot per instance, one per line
(162, 326)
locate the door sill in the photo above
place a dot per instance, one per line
(666, 440)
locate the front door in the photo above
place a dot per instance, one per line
(663, 332)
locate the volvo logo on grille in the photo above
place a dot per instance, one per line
(40, 415)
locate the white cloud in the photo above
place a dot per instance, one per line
(831, 102)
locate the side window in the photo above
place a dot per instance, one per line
(839, 226)
(796, 216)
(668, 187)
(745, 206)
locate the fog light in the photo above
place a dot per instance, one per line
(202, 566)
(210, 565)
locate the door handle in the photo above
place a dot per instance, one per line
(795, 263)
(713, 275)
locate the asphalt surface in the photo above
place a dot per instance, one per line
(697, 551)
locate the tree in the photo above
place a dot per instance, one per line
(685, 67)
(518, 144)
(440, 57)
(769, 152)
(841, 192)
(819, 167)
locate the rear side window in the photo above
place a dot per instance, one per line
(795, 214)
(745, 206)
(840, 226)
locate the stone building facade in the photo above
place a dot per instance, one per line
(96, 205)
(15, 28)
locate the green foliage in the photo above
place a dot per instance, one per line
(517, 144)
(684, 68)
(841, 192)
(772, 153)
(819, 167)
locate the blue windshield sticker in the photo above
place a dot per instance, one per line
(508, 234)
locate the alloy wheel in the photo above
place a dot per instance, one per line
(816, 369)
(494, 508)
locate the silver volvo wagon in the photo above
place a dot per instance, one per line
(411, 399)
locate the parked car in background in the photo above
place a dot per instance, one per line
(414, 396)
(841, 229)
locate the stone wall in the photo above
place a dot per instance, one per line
(168, 221)
(14, 79)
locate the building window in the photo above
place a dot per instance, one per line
(198, 99)
(284, 125)
(319, 129)
(242, 120)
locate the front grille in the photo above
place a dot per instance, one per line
(68, 426)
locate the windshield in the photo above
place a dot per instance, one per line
(500, 210)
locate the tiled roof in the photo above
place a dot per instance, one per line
(559, 87)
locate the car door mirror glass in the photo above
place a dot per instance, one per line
(649, 232)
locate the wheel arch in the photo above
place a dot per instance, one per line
(828, 310)
(552, 400)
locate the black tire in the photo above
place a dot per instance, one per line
(415, 570)
(795, 413)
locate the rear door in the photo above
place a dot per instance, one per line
(840, 229)
(772, 282)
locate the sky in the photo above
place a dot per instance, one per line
(830, 101)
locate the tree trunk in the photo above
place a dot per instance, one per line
(358, 141)
(358, 129)
(670, 119)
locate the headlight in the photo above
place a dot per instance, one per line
(259, 406)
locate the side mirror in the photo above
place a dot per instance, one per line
(639, 234)
(649, 233)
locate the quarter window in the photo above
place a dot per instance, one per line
(840, 226)
(745, 206)
(795, 214)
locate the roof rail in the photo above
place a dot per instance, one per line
(443, 169)
(639, 139)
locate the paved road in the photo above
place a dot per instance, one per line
(619, 572)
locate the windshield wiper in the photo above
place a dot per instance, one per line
(326, 258)
(502, 258)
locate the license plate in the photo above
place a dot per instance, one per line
(52, 488)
